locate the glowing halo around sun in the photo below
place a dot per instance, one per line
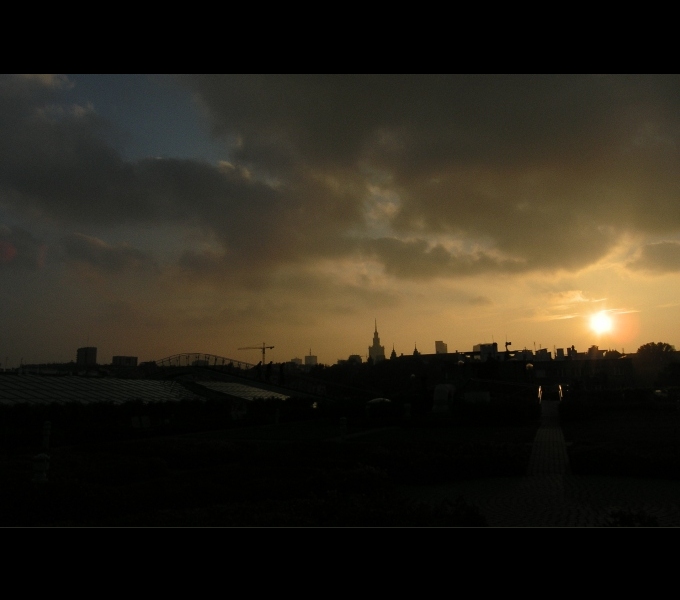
(601, 323)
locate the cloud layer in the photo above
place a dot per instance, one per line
(662, 257)
(347, 189)
(548, 171)
(522, 173)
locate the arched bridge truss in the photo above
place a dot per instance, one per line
(200, 359)
(292, 379)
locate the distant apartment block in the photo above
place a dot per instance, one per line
(486, 351)
(296, 361)
(310, 360)
(542, 354)
(86, 357)
(523, 354)
(124, 361)
(440, 348)
(595, 353)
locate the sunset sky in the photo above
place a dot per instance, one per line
(150, 215)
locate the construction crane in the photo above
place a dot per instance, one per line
(262, 347)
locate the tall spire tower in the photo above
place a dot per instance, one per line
(376, 351)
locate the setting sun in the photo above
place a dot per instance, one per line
(601, 323)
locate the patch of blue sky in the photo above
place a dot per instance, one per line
(153, 116)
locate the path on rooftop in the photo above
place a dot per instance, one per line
(550, 496)
(549, 450)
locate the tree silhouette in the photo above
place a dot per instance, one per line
(656, 351)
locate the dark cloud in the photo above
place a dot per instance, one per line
(137, 315)
(203, 264)
(337, 119)
(96, 253)
(19, 249)
(56, 164)
(542, 220)
(307, 289)
(411, 124)
(662, 257)
(52, 155)
(550, 170)
(418, 260)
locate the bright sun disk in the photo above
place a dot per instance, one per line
(601, 323)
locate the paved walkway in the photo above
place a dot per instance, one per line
(550, 496)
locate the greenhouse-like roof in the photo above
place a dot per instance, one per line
(35, 389)
(240, 390)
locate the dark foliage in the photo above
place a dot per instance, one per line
(655, 351)
(619, 517)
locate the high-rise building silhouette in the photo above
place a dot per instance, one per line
(440, 348)
(376, 352)
(86, 357)
(310, 359)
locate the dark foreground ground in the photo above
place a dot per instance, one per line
(624, 472)
(307, 474)
(642, 442)
(294, 474)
